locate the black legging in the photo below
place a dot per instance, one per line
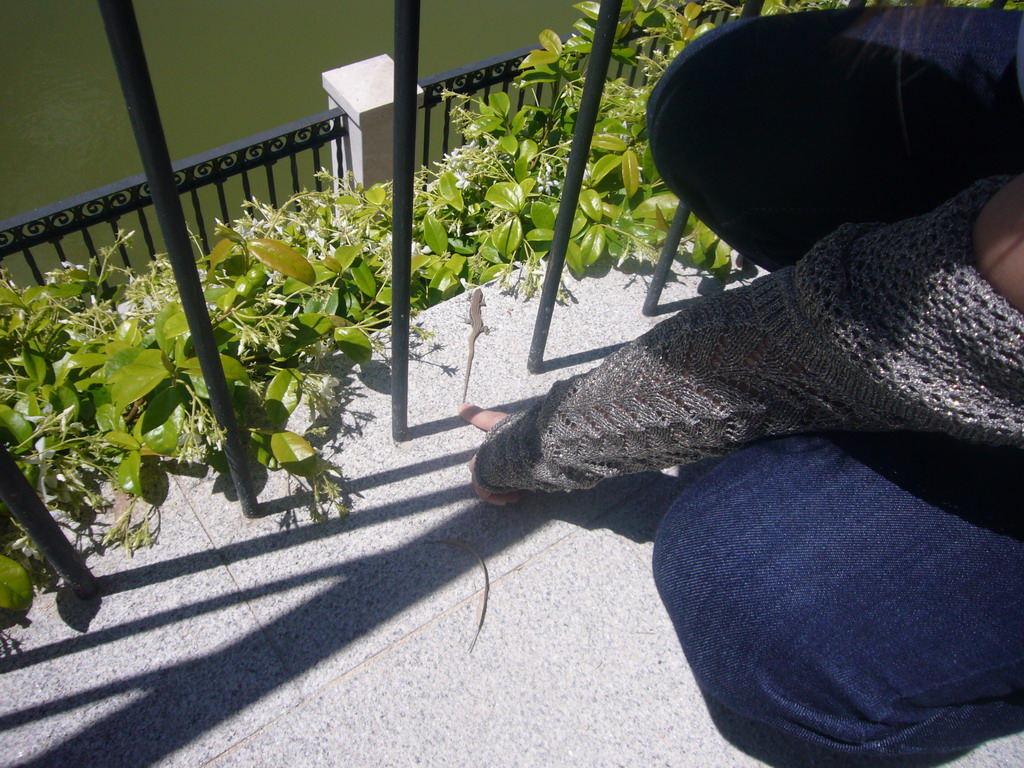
(777, 130)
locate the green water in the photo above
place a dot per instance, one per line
(222, 70)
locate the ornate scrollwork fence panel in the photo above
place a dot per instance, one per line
(105, 207)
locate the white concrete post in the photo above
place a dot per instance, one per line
(365, 90)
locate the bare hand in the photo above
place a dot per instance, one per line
(484, 420)
(999, 242)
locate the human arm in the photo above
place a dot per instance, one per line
(879, 327)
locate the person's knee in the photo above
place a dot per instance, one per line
(679, 109)
(796, 685)
(756, 646)
(789, 607)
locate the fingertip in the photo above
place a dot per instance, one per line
(502, 499)
(468, 410)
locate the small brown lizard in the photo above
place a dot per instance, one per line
(477, 327)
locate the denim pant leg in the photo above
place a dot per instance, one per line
(777, 130)
(862, 592)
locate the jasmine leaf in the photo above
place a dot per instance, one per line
(435, 234)
(293, 453)
(282, 257)
(630, 172)
(15, 586)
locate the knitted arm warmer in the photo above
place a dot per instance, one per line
(878, 327)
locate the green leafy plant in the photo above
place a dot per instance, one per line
(15, 586)
(101, 391)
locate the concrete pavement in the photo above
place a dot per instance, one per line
(280, 641)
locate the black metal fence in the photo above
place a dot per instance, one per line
(268, 166)
(271, 165)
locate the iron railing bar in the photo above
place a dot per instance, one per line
(33, 267)
(270, 183)
(147, 235)
(344, 148)
(669, 251)
(133, 72)
(293, 164)
(222, 199)
(636, 68)
(87, 238)
(200, 222)
(593, 86)
(60, 250)
(246, 189)
(751, 8)
(32, 515)
(407, 51)
(427, 111)
(446, 135)
(340, 157)
(316, 165)
(115, 228)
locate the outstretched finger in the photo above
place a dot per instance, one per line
(500, 499)
(480, 418)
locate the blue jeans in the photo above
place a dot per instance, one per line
(862, 592)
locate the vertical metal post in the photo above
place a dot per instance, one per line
(751, 8)
(407, 52)
(133, 72)
(668, 255)
(33, 516)
(593, 87)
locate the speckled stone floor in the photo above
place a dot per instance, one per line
(280, 641)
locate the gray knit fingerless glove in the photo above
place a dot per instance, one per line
(878, 327)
